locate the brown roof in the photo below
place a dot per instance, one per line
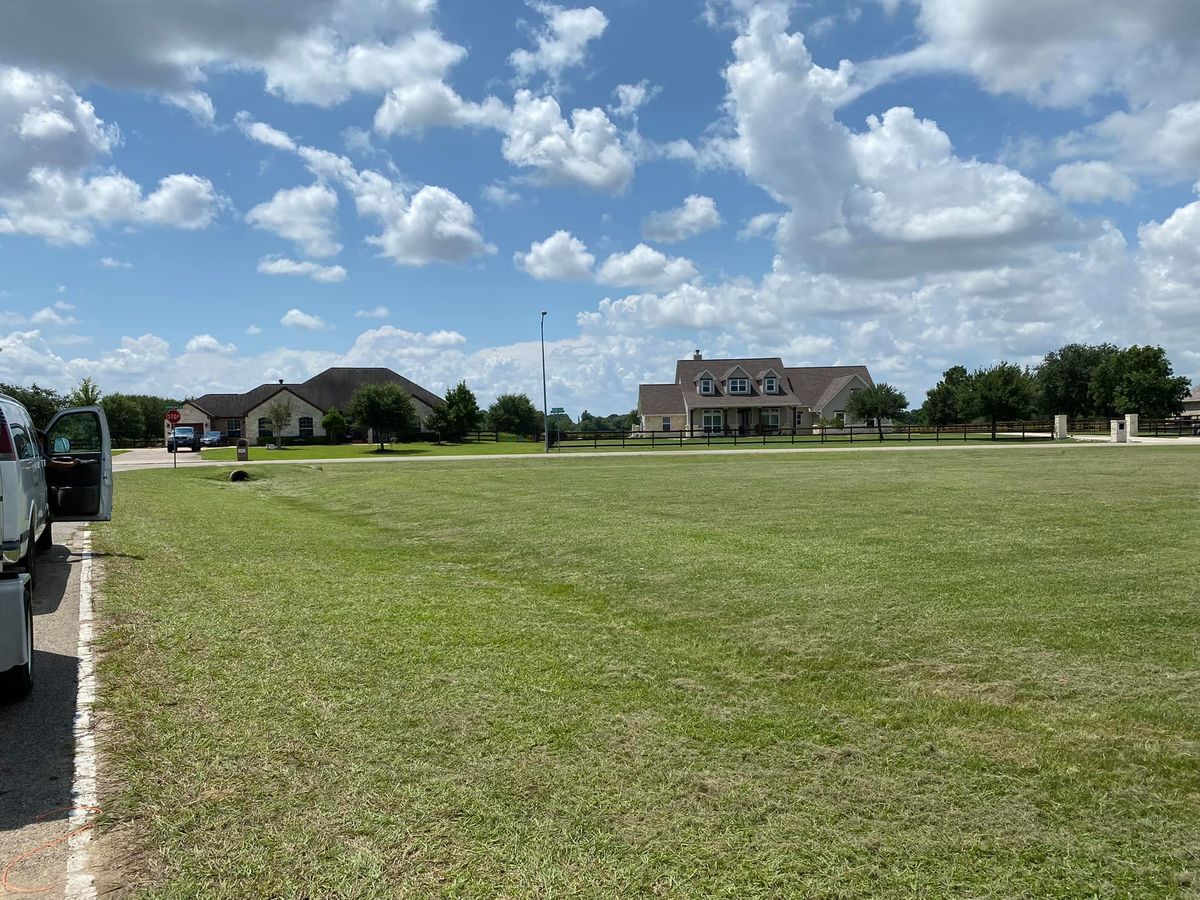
(818, 385)
(661, 399)
(811, 387)
(688, 372)
(333, 387)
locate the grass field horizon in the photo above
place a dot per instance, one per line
(664, 442)
(827, 675)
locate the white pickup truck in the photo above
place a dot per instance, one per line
(61, 475)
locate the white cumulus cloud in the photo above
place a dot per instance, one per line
(206, 343)
(304, 215)
(281, 265)
(643, 266)
(561, 257)
(295, 318)
(562, 41)
(697, 215)
(376, 312)
(1092, 182)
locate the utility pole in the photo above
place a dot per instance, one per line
(545, 404)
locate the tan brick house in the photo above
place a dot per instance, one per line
(748, 396)
(245, 415)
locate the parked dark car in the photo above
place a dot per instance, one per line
(185, 436)
(212, 439)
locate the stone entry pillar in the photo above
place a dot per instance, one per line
(1131, 424)
(1060, 428)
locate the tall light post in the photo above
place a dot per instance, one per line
(545, 404)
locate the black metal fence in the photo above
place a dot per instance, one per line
(856, 434)
(1179, 426)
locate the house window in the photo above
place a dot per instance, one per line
(770, 418)
(840, 417)
(770, 385)
(706, 386)
(739, 385)
(713, 420)
(306, 426)
(666, 423)
(233, 428)
(264, 428)
(799, 418)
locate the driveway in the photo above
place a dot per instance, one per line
(154, 458)
(37, 763)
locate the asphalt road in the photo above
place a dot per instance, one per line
(36, 745)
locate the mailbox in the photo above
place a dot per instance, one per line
(243, 450)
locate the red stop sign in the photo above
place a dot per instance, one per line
(173, 417)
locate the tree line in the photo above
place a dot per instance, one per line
(1080, 380)
(131, 417)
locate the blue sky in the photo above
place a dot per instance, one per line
(205, 198)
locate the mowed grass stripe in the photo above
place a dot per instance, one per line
(872, 674)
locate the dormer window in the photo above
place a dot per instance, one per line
(770, 385)
(706, 386)
(739, 385)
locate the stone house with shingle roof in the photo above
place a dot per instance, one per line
(1191, 403)
(748, 396)
(244, 415)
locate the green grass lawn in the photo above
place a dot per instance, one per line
(343, 451)
(513, 445)
(812, 675)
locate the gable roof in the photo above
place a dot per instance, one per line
(660, 399)
(333, 387)
(688, 370)
(816, 386)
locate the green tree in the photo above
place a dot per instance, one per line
(944, 401)
(1064, 379)
(125, 420)
(385, 408)
(1138, 380)
(460, 414)
(42, 402)
(1005, 391)
(515, 414)
(279, 415)
(86, 393)
(879, 402)
(334, 425)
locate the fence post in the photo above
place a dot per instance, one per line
(937, 433)
(910, 434)
(852, 434)
(964, 434)
(1022, 431)
(652, 440)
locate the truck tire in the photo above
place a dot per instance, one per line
(28, 563)
(17, 681)
(46, 541)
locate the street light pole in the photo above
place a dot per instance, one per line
(545, 404)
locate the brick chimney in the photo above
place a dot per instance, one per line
(697, 356)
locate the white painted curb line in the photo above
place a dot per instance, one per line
(80, 885)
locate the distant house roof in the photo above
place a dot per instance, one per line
(661, 399)
(812, 387)
(333, 387)
(816, 386)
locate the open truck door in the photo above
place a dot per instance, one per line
(79, 477)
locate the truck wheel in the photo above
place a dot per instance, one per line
(28, 563)
(17, 681)
(46, 541)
